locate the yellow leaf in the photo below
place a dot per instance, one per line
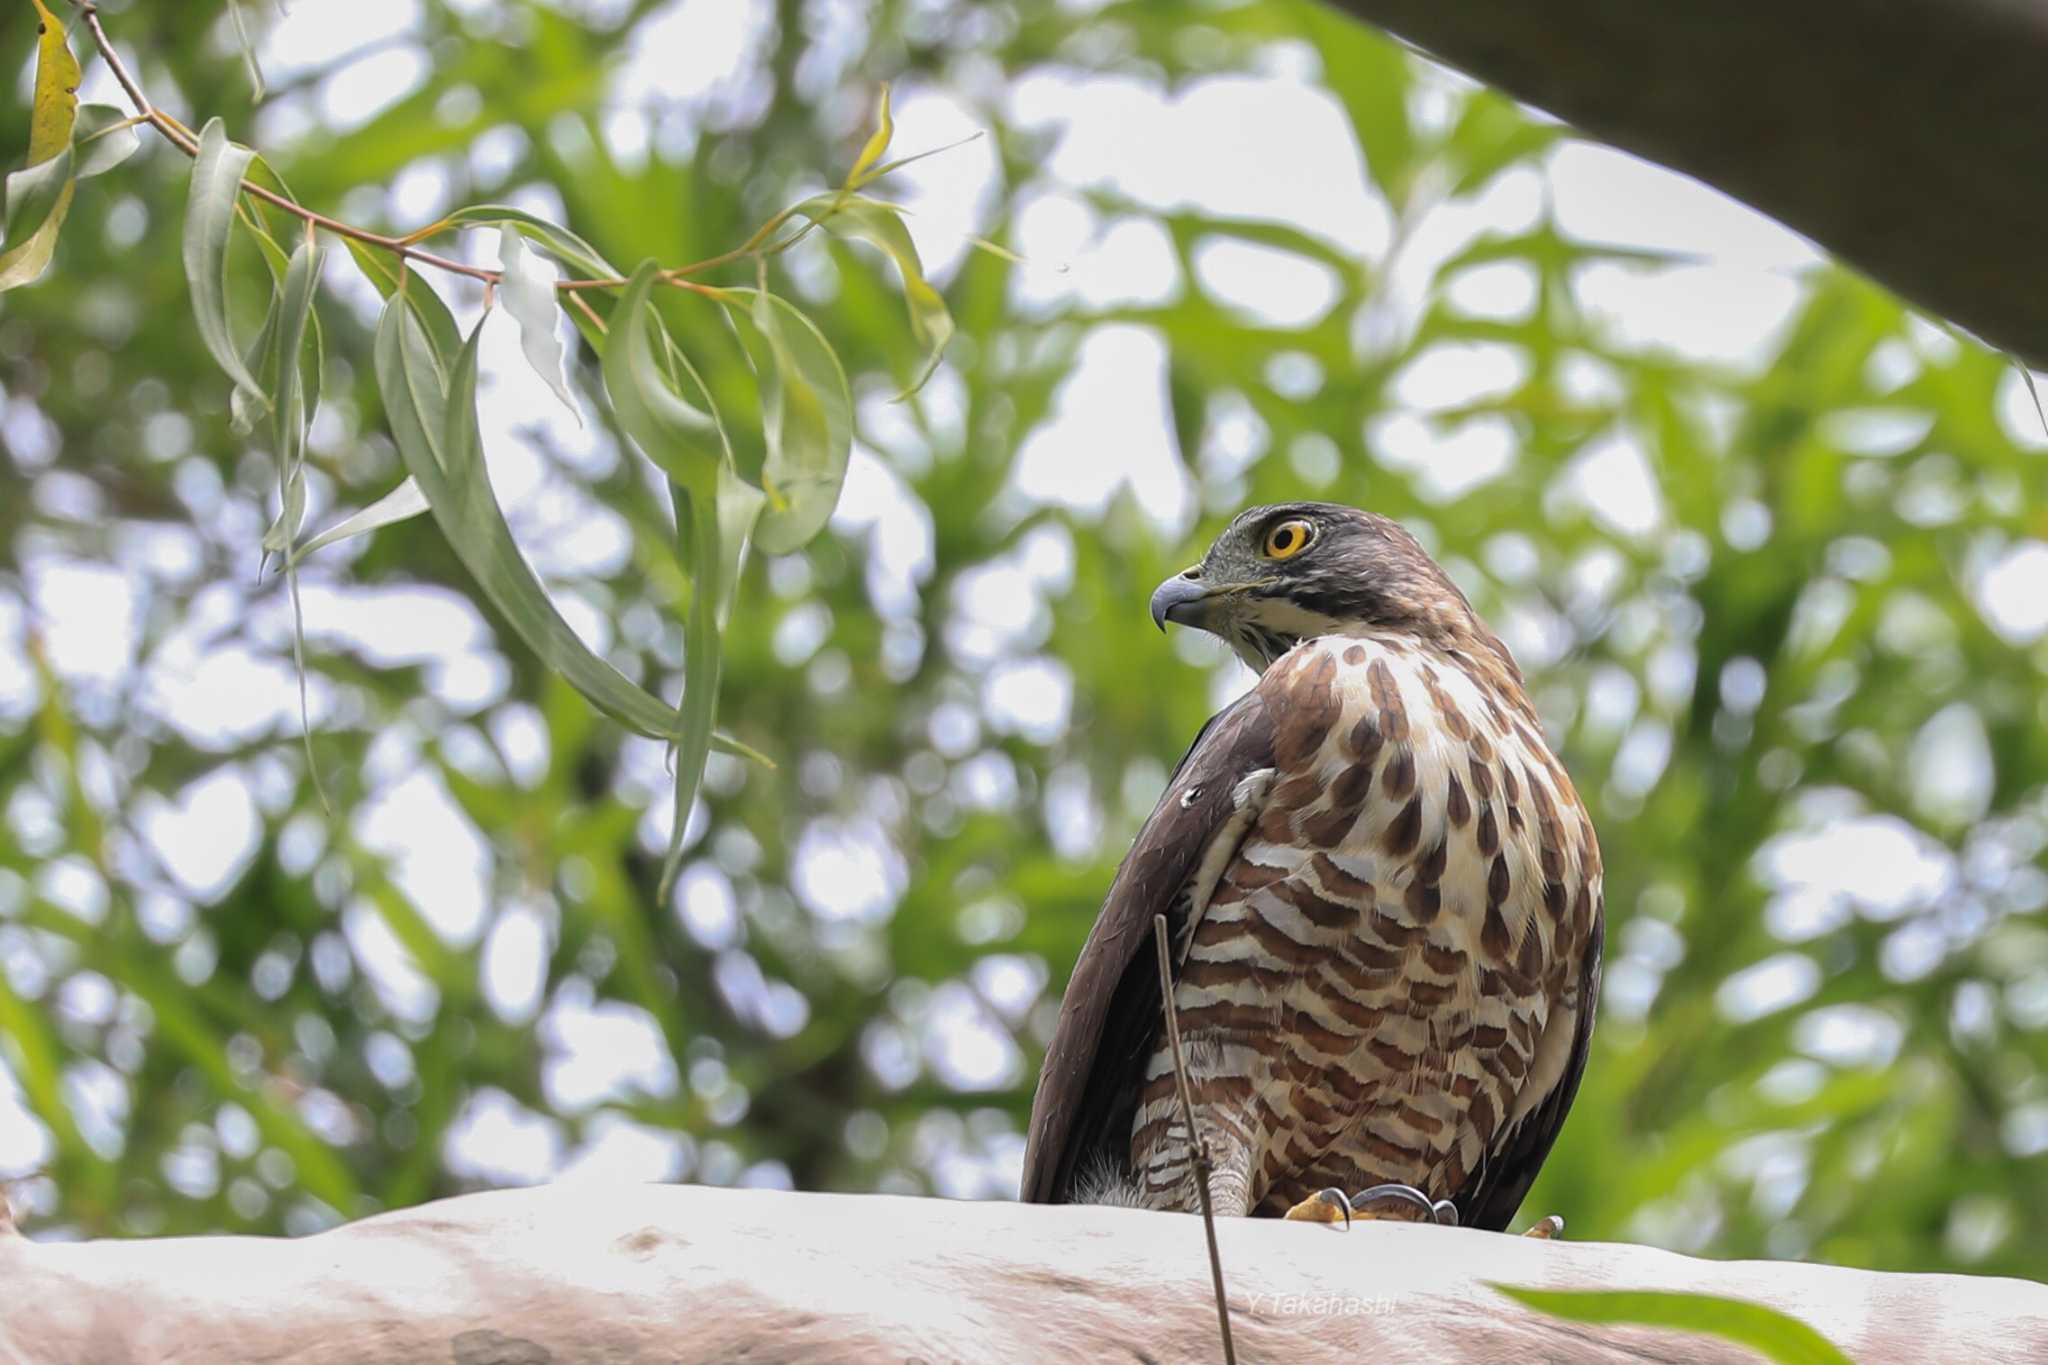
(26, 263)
(57, 76)
(49, 135)
(885, 128)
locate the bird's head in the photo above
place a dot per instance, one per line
(1294, 571)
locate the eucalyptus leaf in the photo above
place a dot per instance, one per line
(564, 245)
(891, 167)
(381, 269)
(400, 504)
(877, 144)
(54, 113)
(671, 432)
(33, 196)
(739, 507)
(807, 418)
(881, 226)
(26, 263)
(244, 412)
(209, 217)
(277, 539)
(37, 204)
(248, 46)
(528, 289)
(422, 406)
(290, 413)
(700, 530)
(105, 138)
(716, 553)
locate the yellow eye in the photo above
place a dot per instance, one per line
(1288, 539)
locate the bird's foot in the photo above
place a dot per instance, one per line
(1332, 1205)
(1549, 1228)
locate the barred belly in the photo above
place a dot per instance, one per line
(1378, 986)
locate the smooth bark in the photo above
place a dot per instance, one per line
(1905, 136)
(687, 1274)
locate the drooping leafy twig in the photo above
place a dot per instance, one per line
(763, 242)
(427, 374)
(1196, 1145)
(181, 137)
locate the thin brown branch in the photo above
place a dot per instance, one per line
(404, 247)
(1196, 1144)
(582, 305)
(761, 244)
(181, 138)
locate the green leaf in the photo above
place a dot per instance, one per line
(26, 263)
(277, 539)
(700, 530)
(248, 47)
(877, 144)
(243, 409)
(881, 226)
(33, 196)
(900, 162)
(209, 217)
(528, 289)
(713, 512)
(106, 138)
(807, 417)
(673, 433)
(739, 507)
(564, 245)
(1776, 1336)
(381, 269)
(414, 385)
(426, 411)
(714, 547)
(290, 413)
(39, 195)
(400, 504)
(279, 262)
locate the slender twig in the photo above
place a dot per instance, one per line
(1196, 1144)
(181, 137)
(577, 302)
(405, 247)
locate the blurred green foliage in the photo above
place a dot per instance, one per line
(1793, 648)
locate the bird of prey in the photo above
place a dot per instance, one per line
(1384, 901)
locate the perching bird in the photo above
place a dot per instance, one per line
(1384, 901)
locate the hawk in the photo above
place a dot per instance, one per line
(1384, 901)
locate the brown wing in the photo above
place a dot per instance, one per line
(1491, 1199)
(1088, 1088)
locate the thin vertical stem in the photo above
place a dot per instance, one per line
(1196, 1144)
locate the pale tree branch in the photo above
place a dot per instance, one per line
(1905, 136)
(692, 1274)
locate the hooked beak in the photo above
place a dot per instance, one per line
(1179, 599)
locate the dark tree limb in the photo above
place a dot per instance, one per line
(1908, 137)
(681, 1274)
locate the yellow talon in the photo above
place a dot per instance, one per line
(1549, 1228)
(1324, 1206)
